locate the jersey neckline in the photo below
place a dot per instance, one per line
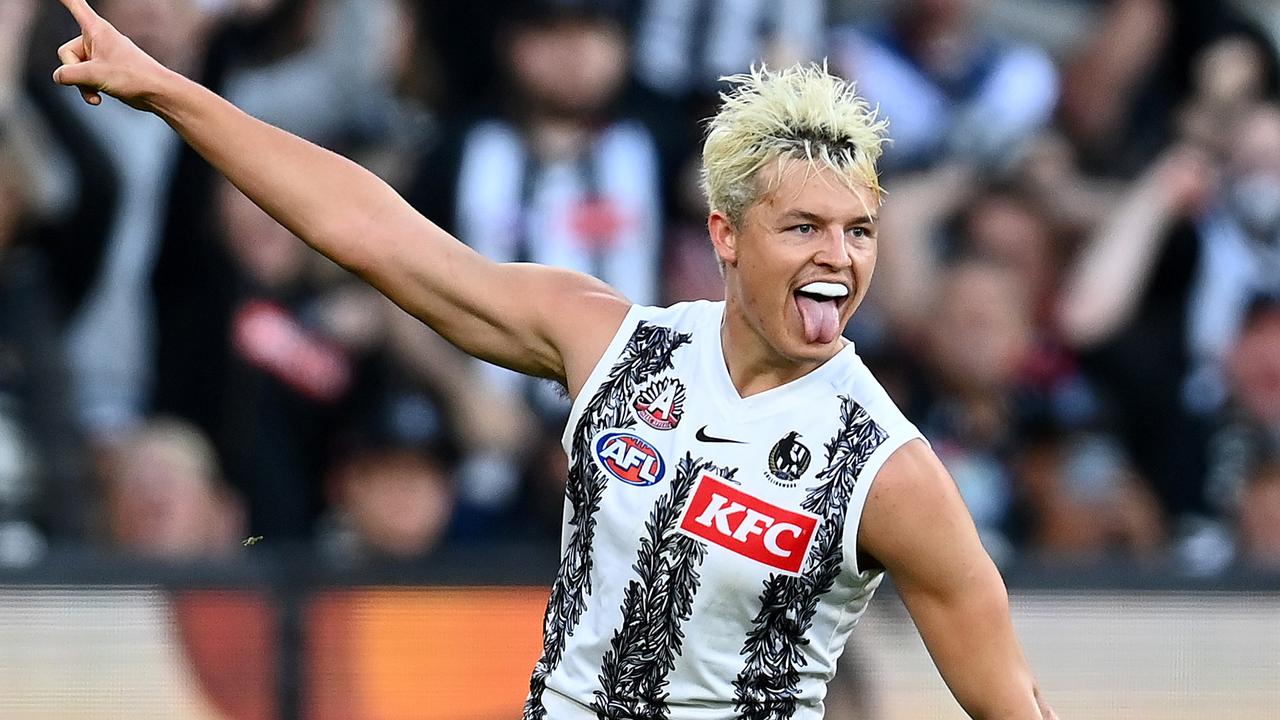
(765, 402)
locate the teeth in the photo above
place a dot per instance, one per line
(825, 289)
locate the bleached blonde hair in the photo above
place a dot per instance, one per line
(802, 112)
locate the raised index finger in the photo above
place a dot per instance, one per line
(81, 11)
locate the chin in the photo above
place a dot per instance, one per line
(803, 351)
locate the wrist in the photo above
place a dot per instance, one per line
(166, 95)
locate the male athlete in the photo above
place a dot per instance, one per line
(723, 531)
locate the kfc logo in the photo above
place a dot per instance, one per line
(749, 526)
(661, 404)
(629, 457)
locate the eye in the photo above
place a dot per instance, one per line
(858, 231)
(804, 228)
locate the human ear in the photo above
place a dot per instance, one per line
(724, 238)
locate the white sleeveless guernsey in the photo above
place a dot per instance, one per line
(708, 566)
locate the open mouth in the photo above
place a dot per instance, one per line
(819, 305)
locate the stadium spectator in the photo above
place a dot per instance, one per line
(1259, 518)
(558, 177)
(684, 47)
(967, 404)
(1083, 502)
(391, 501)
(954, 235)
(1125, 90)
(49, 250)
(268, 372)
(954, 90)
(1247, 429)
(1158, 296)
(1228, 77)
(110, 338)
(165, 497)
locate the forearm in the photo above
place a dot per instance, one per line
(971, 639)
(328, 201)
(1102, 291)
(909, 264)
(916, 525)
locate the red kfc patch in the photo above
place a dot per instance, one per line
(749, 526)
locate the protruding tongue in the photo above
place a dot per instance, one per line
(821, 323)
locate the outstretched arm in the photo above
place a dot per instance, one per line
(538, 320)
(916, 525)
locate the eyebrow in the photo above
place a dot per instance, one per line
(817, 219)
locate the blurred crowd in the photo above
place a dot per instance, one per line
(1077, 296)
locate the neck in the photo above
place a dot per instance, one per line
(753, 365)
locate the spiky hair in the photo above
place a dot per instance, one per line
(801, 112)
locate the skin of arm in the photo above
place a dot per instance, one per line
(909, 266)
(916, 526)
(542, 321)
(1101, 292)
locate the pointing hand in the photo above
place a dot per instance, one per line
(101, 60)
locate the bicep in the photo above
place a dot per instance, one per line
(538, 320)
(917, 527)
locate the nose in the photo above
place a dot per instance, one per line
(834, 250)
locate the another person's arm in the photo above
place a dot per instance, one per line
(916, 525)
(541, 321)
(908, 270)
(1103, 289)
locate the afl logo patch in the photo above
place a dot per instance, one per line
(629, 458)
(788, 460)
(661, 404)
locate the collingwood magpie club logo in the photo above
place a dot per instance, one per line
(788, 460)
(661, 404)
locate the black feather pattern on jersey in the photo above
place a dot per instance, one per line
(647, 353)
(645, 646)
(767, 686)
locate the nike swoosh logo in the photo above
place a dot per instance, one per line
(704, 437)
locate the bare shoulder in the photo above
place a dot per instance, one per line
(581, 314)
(915, 524)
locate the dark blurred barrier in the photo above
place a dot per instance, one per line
(280, 636)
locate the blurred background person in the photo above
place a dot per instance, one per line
(110, 337)
(1126, 87)
(683, 47)
(953, 89)
(165, 496)
(1158, 296)
(51, 207)
(392, 499)
(1083, 503)
(261, 373)
(1259, 533)
(557, 174)
(967, 400)
(1245, 432)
